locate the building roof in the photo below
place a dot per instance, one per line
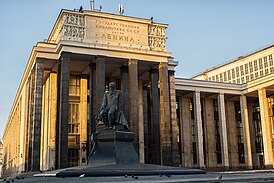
(234, 60)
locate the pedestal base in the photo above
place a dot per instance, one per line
(113, 147)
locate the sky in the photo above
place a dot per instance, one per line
(201, 33)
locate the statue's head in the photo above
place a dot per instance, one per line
(112, 86)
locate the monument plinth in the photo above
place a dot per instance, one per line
(112, 146)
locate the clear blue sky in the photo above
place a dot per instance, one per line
(201, 33)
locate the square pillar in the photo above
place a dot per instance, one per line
(125, 91)
(141, 123)
(37, 115)
(100, 81)
(186, 134)
(246, 132)
(266, 128)
(165, 124)
(232, 141)
(133, 100)
(173, 118)
(199, 127)
(64, 110)
(83, 122)
(31, 85)
(210, 134)
(223, 130)
(146, 126)
(154, 118)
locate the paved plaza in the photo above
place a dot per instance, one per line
(245, 176)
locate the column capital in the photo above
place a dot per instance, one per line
(99, 58)
(124, 69)
(132, 61)
(65, 54)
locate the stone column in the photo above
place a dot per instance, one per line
(64, 110)
(174, 123)
(255, 160)
(100, 81)
(223, 130)
(83, 122)
(199, 127)
(37, 113)
(232, 141)
(133, 100)
(23, 129)
(57, 124)
(92, 104)
(266, 128)
(165, 126)
(246, 132)
(125, 91)
(141, 123)
(210, 134)
(53, 101)
(186, 135)
(31, 84)
(146, 130)
(155, 117)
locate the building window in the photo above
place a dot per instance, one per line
(250, 67)
(233, 73)
(193, 130)
(265, 62)
(255, 65)
(270, 57)
(74, 85)
(238, 81)
(260, 63)
(251, 77)
(256, 75)
(266, 71)
(225, 77)
(270, 62)
(213, 78)
(258, 127)
(209, 79)
(247, 78)
(73, 157)
(242, 70)
(73, 123)
(229, 75)
(242, 79)
(237, 72)
(240, 136)
(246, 68)
(221, 77)
(217, 132)
(217, 78)
(261, 73)
(271, 69)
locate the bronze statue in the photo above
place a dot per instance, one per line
(111, 109)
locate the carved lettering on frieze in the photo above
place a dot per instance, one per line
(157, 38)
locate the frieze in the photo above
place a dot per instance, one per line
(74, 19)
(73, 26)
(156, 37)
(73, 31)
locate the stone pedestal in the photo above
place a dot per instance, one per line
(112, 147)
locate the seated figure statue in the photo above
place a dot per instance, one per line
(110, 112)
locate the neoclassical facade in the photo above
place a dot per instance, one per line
(200, 122)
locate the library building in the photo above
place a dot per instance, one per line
(221, 119)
